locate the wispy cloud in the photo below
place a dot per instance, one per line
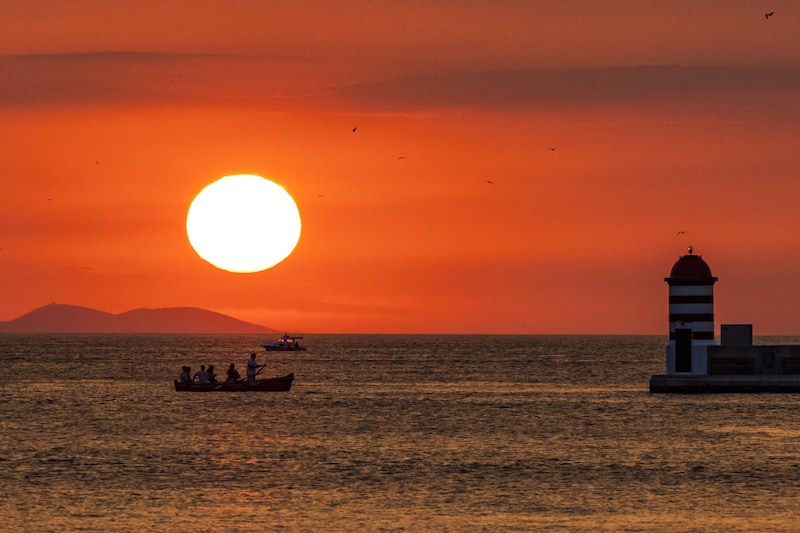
(548, 87)
(131, 77)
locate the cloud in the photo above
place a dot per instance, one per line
(143, 78)
(126, 78)
(531, 88)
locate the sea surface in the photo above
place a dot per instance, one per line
(385, 433)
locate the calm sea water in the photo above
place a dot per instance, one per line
(384, 433)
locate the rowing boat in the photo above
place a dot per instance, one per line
(279, 384)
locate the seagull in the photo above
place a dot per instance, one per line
(552, 149)
(768, 15)
(681, 233)
(355, 128)
(401, 157)
(490, 182)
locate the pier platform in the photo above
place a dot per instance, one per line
(722, 384)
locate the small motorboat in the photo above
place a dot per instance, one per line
(279, 384)
(285, 343)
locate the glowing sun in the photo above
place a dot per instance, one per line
(243, 223)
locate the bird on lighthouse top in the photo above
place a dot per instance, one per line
(690, 267)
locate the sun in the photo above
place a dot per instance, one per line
(243, 223)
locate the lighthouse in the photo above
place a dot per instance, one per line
(696, 364)
(691, 315)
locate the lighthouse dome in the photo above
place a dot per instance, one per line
(690, 266)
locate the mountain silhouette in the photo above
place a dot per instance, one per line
(61, 318)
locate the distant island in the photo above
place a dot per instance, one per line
(61, 318)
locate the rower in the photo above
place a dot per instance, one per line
(233, 374)
(253, 368)
(201, 375)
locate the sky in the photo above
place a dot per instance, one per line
(615, 134)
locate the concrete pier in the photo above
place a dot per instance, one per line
(722, 384)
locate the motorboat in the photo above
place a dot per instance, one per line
(284, 343)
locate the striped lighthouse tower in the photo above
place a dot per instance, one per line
(691, 315)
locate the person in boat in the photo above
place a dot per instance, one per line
(233, 374)
(212, 377)
(186, 375)
(201, 375)
(252, 368)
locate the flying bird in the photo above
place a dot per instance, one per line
(401, 157)
(681, 233)
(490, 182)
(768, 15)
(355, 128)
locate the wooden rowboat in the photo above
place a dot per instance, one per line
(279, 384)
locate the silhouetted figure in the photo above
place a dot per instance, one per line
(212, 377)
(252, 368)
(201, 375)
(186, 375)
(233, 374)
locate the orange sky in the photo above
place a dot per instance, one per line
(665, 116)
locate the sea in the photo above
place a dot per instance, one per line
(385, 433)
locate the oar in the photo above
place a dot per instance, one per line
(260, 369)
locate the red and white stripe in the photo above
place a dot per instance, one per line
(691, 305)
